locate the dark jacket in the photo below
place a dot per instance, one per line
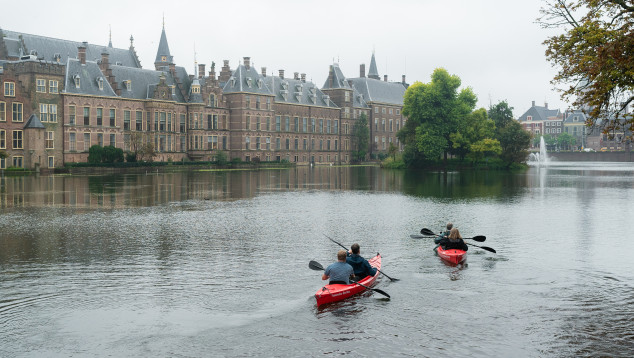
(442, 235)
(361, 266)
(448, 243)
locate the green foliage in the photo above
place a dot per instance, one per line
(566, 141)
(595, 58)
(360, 138)
(3, 154)
(221, 158)
(130, 157)
(112, 154)
(485, 148)
(95, 154)
(434, 111)
(514, 140)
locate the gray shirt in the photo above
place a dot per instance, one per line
(339, 271)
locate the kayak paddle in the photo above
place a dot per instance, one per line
(345, 248)
(314, 265)
(479, 238)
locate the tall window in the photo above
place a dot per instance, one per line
(86, 141)
(50, 137)
(126, 120)
(182, 123)
(86, 116)
(139, 120)
(43, 112)
(71, 115)
(9, 89)
(17, 161)
(296, 122)
(73, 142)
(268, 143)
(287, 127)
(304, 125)
(17, 139)
(112, 140)
(247, 99)
(247, 143)
(99, 117)
(3, 112)
(112, 117)
(51, 162)
(3, 139)
(17, 112)
(163, 117)
(52, 113)
(40, 85)
(278, 119)
(53, 86)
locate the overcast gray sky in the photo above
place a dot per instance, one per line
(494, 46)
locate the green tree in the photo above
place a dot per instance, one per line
(473, 128)
(485, 148)
(595, 57)
(392, 150)
(112, 154)
(434, 111)
(514, 140)
(221, 158)
(566, 141)
(95, 154)
(360, 138)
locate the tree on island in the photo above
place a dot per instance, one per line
(514, 140)
(595, 57)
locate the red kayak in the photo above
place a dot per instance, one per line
(337, 292)
(453, 256)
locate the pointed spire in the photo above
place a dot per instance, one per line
(163, 56)
(110, 37)
(373, 72)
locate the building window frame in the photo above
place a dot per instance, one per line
(9, 89)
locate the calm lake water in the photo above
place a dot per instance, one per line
(208, 263)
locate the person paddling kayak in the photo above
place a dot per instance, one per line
(361, 266)
(340, 271)
(453, 241)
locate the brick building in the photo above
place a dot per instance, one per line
(61, 97)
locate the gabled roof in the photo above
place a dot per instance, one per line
(379, 91)
(338, 79)
(294, 91)
(34, 122)
(89, 76)
(48, 49)
(245, 79)
(373, 72)
(539, 113)
(163, 50)
(143, 82)
(575, 117)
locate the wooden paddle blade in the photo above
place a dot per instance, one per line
(314, 265)
(426, 231)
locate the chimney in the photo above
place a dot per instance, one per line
(404, 79)
(362, 70)
(546, 105)
(201, 70)
(533, 104)
(282, 74)
(104, 60)
(81, 52)
(263, 71)
(385, 78)
(296, 75)
(225, 72)
(303, 77)
(331, 76)
(247, 62)
(173, 69)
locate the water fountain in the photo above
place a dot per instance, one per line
(540, 158)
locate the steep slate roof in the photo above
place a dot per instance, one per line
(242, 77)
(379, 91)
(338, 80)
(570, 117)
(88, 76)
(195, 97)
(143, 82)
(163, 49)
(299, 92)
(358, 100)
(539, 113)
(34, 122)
(47, 48)
(373, 72)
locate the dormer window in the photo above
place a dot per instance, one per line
(529, 118)
(57, 57)
(77, 81)
(128, 85)
(100, 83)
(260, 83)
(298, 96)
(195, 89)
(326, 99)
(284, 85)
(232, 81)
(299, 87)
(173, 88)
(249, 81)
(284, 94)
